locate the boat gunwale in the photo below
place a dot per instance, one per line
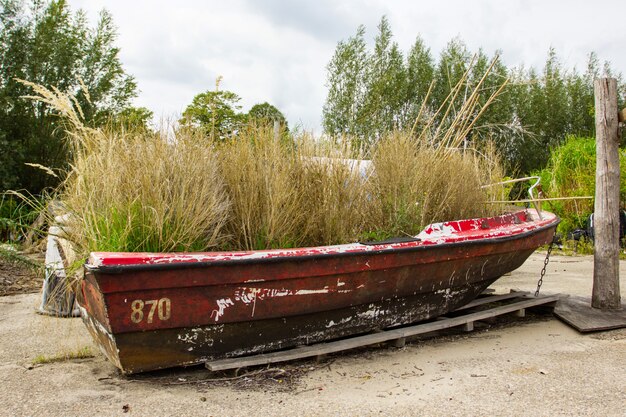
(416, 247)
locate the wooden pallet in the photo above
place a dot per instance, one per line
(515, 302)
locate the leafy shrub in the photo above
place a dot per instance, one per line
(571, 172)
(16, 216)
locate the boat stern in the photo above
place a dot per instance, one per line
(94, 314)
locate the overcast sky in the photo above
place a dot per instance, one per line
(277, 51)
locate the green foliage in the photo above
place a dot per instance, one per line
(216, 113)
(16, 216)
(373, 91)
(419, 75)
(133, 119)
(44, 42)
(346, 87)
(385, 80)
(453, 62)
(265, 113)
(571, 172)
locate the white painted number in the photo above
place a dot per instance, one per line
(163, 307)
(137, 314)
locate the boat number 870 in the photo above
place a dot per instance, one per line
(162, 307)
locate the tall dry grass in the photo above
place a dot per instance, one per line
(316, 191)
(338, 204)
(129, 191)
(288, 194)
(145, 193)
(261, 175)
(413, 185)
(429, 174)
(142, 191)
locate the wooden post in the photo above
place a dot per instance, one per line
(606, 291)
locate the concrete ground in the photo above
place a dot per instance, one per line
(536, 366)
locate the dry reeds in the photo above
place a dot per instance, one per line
(447, 128)
(318, 192)
(337, 204)
(142, 191)
(413, 185)
(287, 194)
(430, 174)
(261, 176)
(138, 192)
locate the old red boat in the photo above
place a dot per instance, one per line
(150, 311)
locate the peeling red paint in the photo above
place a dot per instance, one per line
(323, 291)
(438, 233)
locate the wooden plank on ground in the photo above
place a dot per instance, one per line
(491, 299)
(578, 313)
(374, 338)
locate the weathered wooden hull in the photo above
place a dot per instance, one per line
(151, 311)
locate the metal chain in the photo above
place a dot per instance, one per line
(543, 270)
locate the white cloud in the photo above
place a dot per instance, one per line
(277, 51)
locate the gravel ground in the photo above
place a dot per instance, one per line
(535, 366)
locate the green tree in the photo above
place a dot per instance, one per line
(452, 64)
(498, 123)
(498, 114)
(346, 86)
(514, 144)
(580, 103)
(555, 107)
(385, 86)
(216, 113)
(372, 91)
(44, 42)
(265, 113)
(543, 114)
(420, 71)
(102, 73)
(133, 118)
(532, 149)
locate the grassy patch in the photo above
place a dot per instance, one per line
(83, 353)
(576, 247)
(581, 247)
